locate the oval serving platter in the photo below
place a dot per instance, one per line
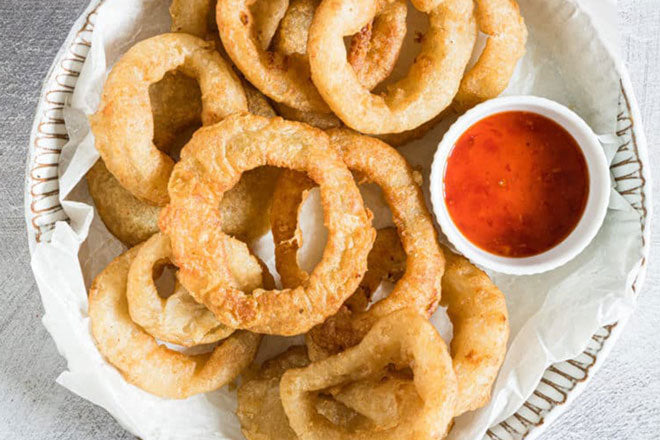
(561, 383)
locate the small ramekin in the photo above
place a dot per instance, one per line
(597, 201)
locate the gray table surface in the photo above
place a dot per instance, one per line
(622, 401)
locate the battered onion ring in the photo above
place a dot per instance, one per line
(427, 89)
(372, 58)
(129, 219)
(123, 125)
(420, 285)
(244, 209)
(477, 310)
(403, 338)
(138, 357)
(179, 319)
(379, 401)
(210, 164)
(507, 35)
(283, 73)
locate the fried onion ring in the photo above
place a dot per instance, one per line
(507, 35)
(419, 287)
(141, 360)
(381, 400)
(123, 125)
(211, 163)
(179, 319)
(404, 339)
(427, 89)
(283, 73)
(477, 310)
(244, 208)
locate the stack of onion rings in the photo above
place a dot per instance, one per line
(211, 163)
(403, 339)
(145, 363)
(419, 287)
(123, 124)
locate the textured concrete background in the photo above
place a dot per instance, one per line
(622, 401)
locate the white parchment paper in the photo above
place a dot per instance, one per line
(552, 315)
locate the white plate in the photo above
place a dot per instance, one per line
(561, 383)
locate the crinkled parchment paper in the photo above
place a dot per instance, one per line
(553, 315)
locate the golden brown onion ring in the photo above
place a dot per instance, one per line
(477, 310)
(379, 400)
(179, 319)
(404, 339)
(244, 208)
(429, 86)
(507, 35)
(211, 163)
(123, 125)
(141, 360)
(419, 287)
(283, 72)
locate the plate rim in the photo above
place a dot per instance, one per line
(74, 51)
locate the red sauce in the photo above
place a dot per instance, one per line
(516, 184)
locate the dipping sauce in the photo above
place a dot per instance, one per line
(516, 184)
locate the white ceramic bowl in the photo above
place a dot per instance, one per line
(597, 201)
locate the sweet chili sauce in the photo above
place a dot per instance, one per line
(516, 184)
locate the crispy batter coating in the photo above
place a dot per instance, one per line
(141, 360)
(211, 163)
(428, 88)
(380, 401)
(128, 218)
(123, 126)
(507, 35)
(178, 319)
(477, 310)
(419, 287)
(373, 51)
(245, 208)
(403, 339)
(282, 78)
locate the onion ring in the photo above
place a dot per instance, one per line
(507, 35)
(381, 400)
(427, 89)
(138, 357)
(179, 319)
(210, 164)
(477, 310)
(403, 338)
(123, 124)
(420, 285)
(278, 72)
(133, 221)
